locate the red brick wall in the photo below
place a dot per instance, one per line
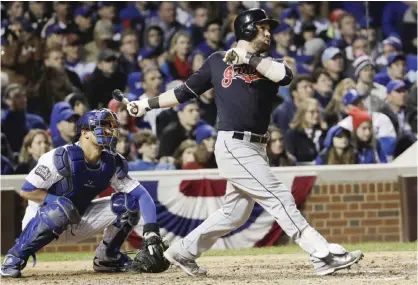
(342, 213)
(353, 213)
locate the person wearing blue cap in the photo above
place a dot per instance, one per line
(396, 70)
(390, 45)
(205, 139)
(84, 23)
(333, 62)
(63, 124)
(59, 19)
(16, 121)
(282, 36)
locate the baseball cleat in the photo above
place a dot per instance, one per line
(12, 266)
(122, 264)
(189, 266)
(335, 262)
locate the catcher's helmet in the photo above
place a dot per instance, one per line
(244, 24)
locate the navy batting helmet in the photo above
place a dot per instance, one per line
(244, 24)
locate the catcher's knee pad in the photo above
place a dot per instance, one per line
(50, 221)
(125, 207)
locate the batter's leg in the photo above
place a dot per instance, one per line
(232, 215)
(245, 165)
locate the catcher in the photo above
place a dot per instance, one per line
(61, 189)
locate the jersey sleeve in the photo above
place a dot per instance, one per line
(44, 175)
(125, 184)
(197, 84)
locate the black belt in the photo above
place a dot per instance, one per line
(253, 138)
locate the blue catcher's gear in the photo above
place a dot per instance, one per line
(103, 123)
(108, 257)
(50, 221)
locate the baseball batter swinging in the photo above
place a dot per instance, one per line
(61, 189)
(245, 83)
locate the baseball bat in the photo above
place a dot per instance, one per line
(120, 97)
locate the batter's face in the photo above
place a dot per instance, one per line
(261, 43)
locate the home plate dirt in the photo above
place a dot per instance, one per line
(284, 269)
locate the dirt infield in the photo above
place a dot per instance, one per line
(285, 269)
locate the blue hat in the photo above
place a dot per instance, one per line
(334, 132)
(351, 96)
(394, 57)
(204, 131)
(330, 53)
(395, 85)
(54, 29)
(288, 13)
(83, 11)
(135, 83)
(393, 41)
(283, 27)
(183, 105)
(64, 112)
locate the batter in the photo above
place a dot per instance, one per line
(245, 83)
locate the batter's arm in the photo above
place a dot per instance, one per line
(197, 84)
(275, 70)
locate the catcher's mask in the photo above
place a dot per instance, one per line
(103, 123)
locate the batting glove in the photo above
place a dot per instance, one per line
(138, 108)
(236, 56)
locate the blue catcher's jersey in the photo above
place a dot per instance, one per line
(64, 172)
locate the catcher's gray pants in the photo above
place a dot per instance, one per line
(245, 166)
(97, 217)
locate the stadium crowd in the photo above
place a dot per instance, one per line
(353, 99)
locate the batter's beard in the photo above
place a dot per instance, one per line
(260, 45)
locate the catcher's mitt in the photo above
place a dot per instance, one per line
(150, 258)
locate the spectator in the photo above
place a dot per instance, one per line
(347, 26)
(200, 18)
(301, 88)
(146, 145)
(60, 18)
(35, 144)
(204, 156)
(282, 36)
(213, 39)
(175, 133)
(123, 146)
(76, 67)
(374, 94)
(307, 131)
(289, 16)
(84, 24)
(177, 63)
(15, 121)
(102, 40)
(408, 30)
(54, 84)
(411, 108)
(383, 127)
(104, 80)
(106, 10)
(166, 20)
(14, 10)
(333, 62)
(21, 52)
(306, 11)
(154, 36)
(370, 34)
(78, 102)
(153, 86)
(368, 149)
(183, 13)
(127, 125)
(129, 49)
(391, 45)
(277, 155)
(185, 153)
(323, 87)
(356, 49)
(334, 112)
(63, 124)
(337, 148)
(396, 70)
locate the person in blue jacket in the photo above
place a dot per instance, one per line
(63, 124)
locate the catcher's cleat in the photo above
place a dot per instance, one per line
(335, 262)
(12, 266)
(122, 264)
(189, 266)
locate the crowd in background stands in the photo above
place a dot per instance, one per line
(353, 98)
